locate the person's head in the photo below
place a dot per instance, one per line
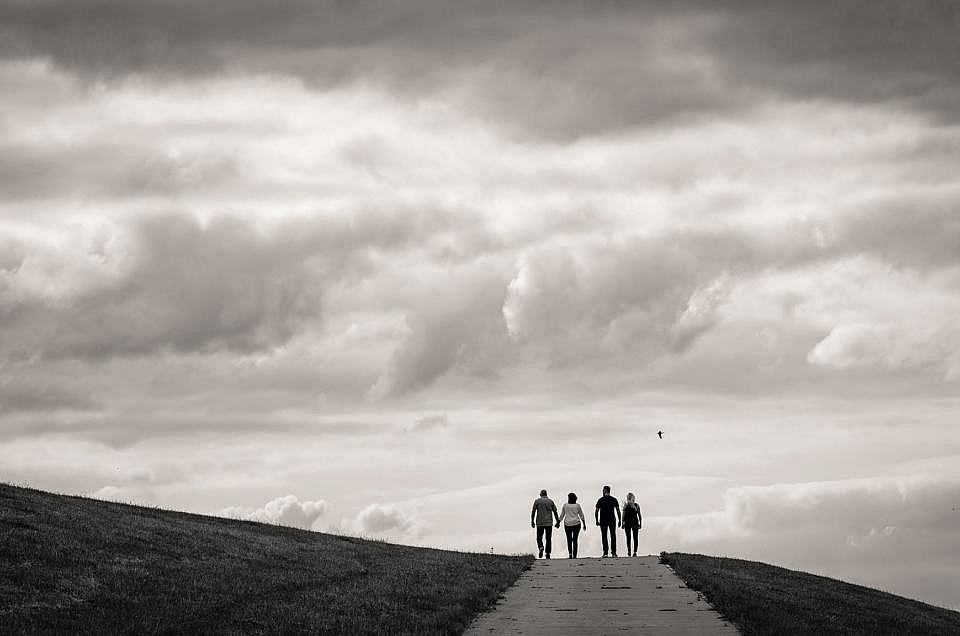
(543, 493)
(572, 498)
(630, 498)
(606, 490)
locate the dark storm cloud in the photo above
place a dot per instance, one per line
(512, 60)
(109, 38)
(853, 50)
(560, 69)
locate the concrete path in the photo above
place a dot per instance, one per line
(628, 595)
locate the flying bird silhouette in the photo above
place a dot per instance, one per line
(660, 434)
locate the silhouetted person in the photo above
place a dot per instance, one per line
(632, 521)
(540, 518)
(660, 434)
(608, 509)
(573, 521)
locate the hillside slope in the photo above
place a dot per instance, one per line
(77, 565)
(764, 599)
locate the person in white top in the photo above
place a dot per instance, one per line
(573, 522)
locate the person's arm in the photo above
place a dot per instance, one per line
(563, 513)
(583, 520)
(533, 513)
(617, 508)
(555, 516)
(596, 514)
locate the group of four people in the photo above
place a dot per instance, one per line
(607, 515)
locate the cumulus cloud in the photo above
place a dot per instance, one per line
(646, 293)
(887, 320)
(858, 344)
(165, 283)
(143, 495)
(174, 283)
(284, 511)
(109, 493)
(385, 519)
(700, 313)
(890, 347)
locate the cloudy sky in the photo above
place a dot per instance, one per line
(390, 268)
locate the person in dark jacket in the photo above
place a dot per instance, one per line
(632, 522)
(607, 514)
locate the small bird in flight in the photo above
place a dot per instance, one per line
(660, 434)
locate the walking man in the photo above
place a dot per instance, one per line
(540, 518)
(608, 509)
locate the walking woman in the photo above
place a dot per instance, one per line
(632, 521)
(573, 522)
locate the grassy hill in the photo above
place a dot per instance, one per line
(77, 565)
(765, 599)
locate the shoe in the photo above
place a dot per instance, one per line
(604, 556)
(541, 553)
(614, 555)
(548, 555)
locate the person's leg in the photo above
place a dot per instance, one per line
(613, 540)
(548, 530)
(568, 530)
(540, 540)
(603, 537)
(636, 539)
(576, 539)
(626, 534)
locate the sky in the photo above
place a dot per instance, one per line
(388, 269)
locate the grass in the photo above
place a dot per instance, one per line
(77, 565)
(765, 599)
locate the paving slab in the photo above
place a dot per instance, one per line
(626, 595)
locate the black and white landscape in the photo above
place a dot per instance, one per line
(389, 268)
